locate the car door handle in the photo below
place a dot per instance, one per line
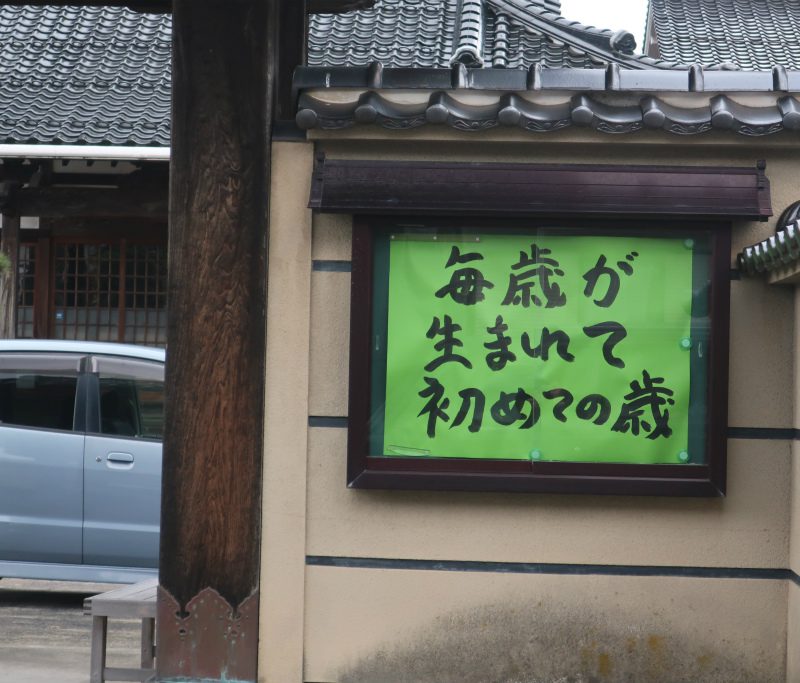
(126, 458)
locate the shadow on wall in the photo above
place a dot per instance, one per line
(540, 644)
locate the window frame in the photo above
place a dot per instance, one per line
(395, 472)
(141, 370)
(70, 363)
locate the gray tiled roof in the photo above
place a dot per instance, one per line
(750, 34)
(100, 75)
(492, 33)
(88, 75)
(413, 33)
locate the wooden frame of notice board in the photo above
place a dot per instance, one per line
(370, 467)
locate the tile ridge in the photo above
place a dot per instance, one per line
(468, 48)
(603, 44)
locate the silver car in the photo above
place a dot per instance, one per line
(81, 425)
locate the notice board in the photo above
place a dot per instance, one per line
(517, 349)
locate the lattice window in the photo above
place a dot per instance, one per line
(26, 275)
(110, 292)
(146, 295)
(86, 292)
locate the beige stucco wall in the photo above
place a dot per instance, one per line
(329, 624)
(793, 635)
(414, 627)
(283, 525)
(746, 529)
(793, 616)
(794, 547)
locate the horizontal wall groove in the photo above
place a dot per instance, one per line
(329, 266)
(553, 568)
(768, 433)
(329, 422)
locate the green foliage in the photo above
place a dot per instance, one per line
(5, 263)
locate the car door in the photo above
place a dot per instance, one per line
(122, 463)
(41, 457)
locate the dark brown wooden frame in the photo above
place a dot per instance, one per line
(370, 472)
(439, 188)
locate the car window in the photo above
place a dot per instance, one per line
(151, 408)
(38, 390)
(131, 397)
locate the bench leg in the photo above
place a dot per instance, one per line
(98, 661)
(148, 647)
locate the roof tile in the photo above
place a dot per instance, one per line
(84, 75)
(436, 33)
(750, 34)
(100, 75)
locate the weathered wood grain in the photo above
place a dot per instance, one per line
(223, 63)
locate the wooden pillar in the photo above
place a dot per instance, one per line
(9, 245)
(211, 505)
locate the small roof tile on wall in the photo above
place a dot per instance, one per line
(90, 75)
(749, 34)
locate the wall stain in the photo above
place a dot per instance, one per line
(704, 662)
(604, 666)
(553, 643)
(656, 644)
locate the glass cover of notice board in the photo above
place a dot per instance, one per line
(537, 357)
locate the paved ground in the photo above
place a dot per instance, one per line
(45, 637)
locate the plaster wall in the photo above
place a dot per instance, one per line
(793, 616)
(794, 546)
(574, 623)
(793, 635)
(415, 627)
(283, 527)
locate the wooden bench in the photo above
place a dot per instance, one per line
(136, 601)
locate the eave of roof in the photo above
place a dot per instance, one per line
(93, 152)
(610, 100)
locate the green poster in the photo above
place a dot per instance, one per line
(522, 347)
